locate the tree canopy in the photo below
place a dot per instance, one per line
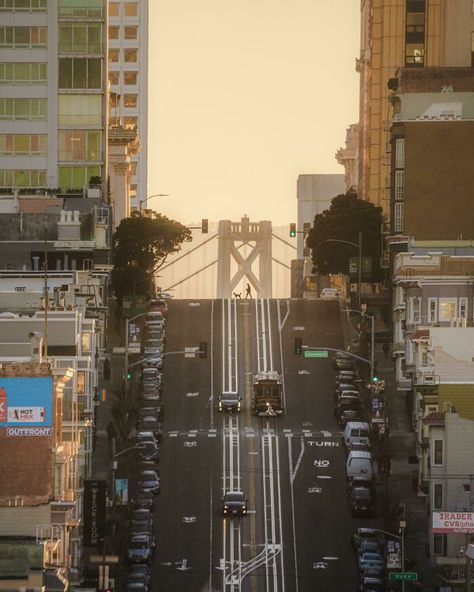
(140, 246)
(346, 217)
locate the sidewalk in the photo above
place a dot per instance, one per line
(398, 485)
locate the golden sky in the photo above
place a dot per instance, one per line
(244, 96)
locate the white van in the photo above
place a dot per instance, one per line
(359, 465)
(356, 432)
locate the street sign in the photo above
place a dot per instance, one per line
(408, 576)
(320, 353)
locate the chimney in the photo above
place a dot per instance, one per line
(69, 226)
(36, 346)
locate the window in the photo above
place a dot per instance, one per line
(22, 144)
(80, 109)
(399, 153)
(133, 191)
(114, 77)
(23, 5)
(130, 9)
(80, 73)
(130, 100)
(466, 488)
(130, 78)
(80, 38)
(438, 452)
(114, 55)
(439, 544)
(71, 177)
(130, 122)
(432, 310)
(81, 382)
(463, 308)
(472, 49)
(399, 184)
(23, 73)
(79, 145)
(414, 54)
(86, 8)
(130, 32)
(130, 55)
(22, 109)
(114, 32)
(23, 37)
(437, 496)
(22, 178)
(133, 169)
(398, 217)
(114, 9)
(415, 22)
(447, 309)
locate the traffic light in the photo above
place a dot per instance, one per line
(205, 225)
(292, 230)
(298, 346)
(129, 374)
(203, 350)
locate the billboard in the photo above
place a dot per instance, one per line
(453, 522)
(94, 511)
(26, 402)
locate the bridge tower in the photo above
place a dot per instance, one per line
(258, 235)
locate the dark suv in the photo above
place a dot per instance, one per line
(229, 403)
(234, 504)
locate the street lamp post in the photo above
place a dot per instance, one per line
(115, 464)
(358, 246)
(127, 324)
(372, 336)
(142, 201)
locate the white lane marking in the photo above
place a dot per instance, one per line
(223, 345)
(173, 434)
(257, 335)
(330, 558)
(192, 394)
(269, 331)
(280, 520)
(298, 328)
(188, 444)
(211, 509)
(323, 477)
(193, 304)
(264, 341)
(229, 344)
(304, 372)
(321, 463)
(210, 435)
(211, 398)
(298, 462)
(183, 566)
(236, 349)
(320, 565)
(282, 324)
(290, 468)
(315, 489)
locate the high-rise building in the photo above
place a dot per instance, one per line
(128, 79)
(52, 94)
(395, 34)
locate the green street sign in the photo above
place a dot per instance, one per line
(408, 576)
(320, 353)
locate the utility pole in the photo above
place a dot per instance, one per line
(403, 524)
(360, 270)
(46, 295)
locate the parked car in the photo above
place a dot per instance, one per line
(371, 584)
(344, 361)
(148, 451)
(370, 559)
(234, 503)
(139, 573)
(330, 294)
(140, 549)
(143, 501)
(149, 411)
(146, 437)
(362, 500)
(136, 586)
(151, 424)
(344, 386)
(356, 431)
(154, 362)
(149, 481)
(345, 415)
(359, 466)
(362, 535)
(141, 527)
(160, 305)
(165, 295)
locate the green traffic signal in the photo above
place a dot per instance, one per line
(129, 375)
(292, 230)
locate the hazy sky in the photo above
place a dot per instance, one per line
(244, 96)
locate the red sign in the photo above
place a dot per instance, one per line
(3, 404)
(453, 522)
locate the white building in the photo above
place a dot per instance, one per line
(314, 195)
(128, 79)
(52, 94)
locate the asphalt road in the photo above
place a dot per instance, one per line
(296, 537)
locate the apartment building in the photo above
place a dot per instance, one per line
(395, 34)
(432, 140)
(128, 80)
(53, 106)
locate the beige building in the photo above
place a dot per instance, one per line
(394, 34)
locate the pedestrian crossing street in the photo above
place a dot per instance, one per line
(249, 432)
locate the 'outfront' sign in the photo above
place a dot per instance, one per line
(453, 522)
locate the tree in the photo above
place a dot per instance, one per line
(140, 246)
(346, 217)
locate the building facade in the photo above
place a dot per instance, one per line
(128, 80)
(396, 34)
(53, 94)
